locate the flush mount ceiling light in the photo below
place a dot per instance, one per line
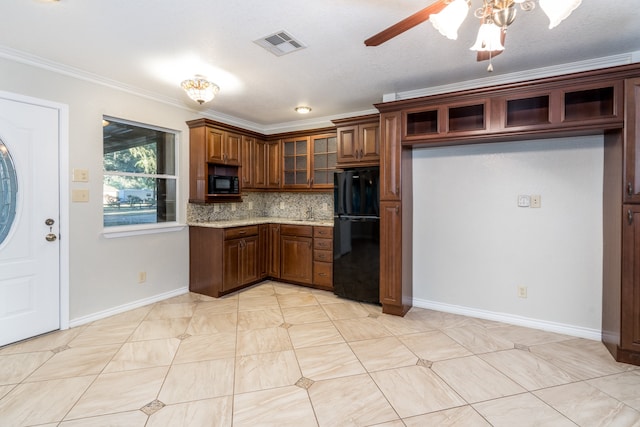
(303, 109)
(495, 16)
(200, 89)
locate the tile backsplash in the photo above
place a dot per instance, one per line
(273, 205)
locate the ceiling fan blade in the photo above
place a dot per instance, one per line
(406, 24)
(485, 56)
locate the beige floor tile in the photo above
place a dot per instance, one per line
(171, 311)
(213, 323)
(345, 310)
(361, 329)
(440, 320)
(397, 423)
(324, 297)
(416, 390)
(75, 362)
(350, 401)
(278, 407)
(257, 302)
(144, 354)
(260, 290)
(298, 299)
(286, 288)
(434, 345)
(160, 328)
(104, 333)
(267, 370)
(188, 297)
(216, 307)
(4, 389)
(313, 334)
(328, 361)
(402, 325)
(526, 336)
(44, 342)
(262, 341)
(119, 392)
(260, 319)
(478, 340)
(215, 412)
(42, 402)
(582, 359)
(523, 410)
(625, 387)
(198, 380)
(463, 416)
(586, 405)
(475, 380)
(16, 367)
(527, 369)
(128, 419)
(198, 348)
(309, 314)
(383, 353)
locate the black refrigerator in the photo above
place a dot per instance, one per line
(356, 234)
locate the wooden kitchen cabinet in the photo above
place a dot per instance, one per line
(263, 251)
(296, 162)
(323, 161)
(308, 160)
(632, 138)
(358, 141)
(296, 253)
(266, 164)
(273, 164)
(223, 146)
(323, 257)
(629, 347)
(391, 162)
(273, 256)
(249, 164)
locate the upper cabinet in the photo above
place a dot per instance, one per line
(308, 160)
(632, 141)
(358, 141)
(223, 147)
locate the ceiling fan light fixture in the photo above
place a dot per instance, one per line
(505, 16)
(558, 10)
(200, 89)
(488, 39)
(450, 18)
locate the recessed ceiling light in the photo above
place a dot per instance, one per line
(303, 109)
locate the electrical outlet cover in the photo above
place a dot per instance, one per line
(524, 201)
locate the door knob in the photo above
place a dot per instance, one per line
(49, 222)
(51, 237)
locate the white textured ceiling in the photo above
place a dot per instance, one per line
(151, 45)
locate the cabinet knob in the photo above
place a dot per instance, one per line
(629, 189)
(630, 217)
(361, 154)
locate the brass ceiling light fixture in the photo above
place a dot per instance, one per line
(200, 89)
(495, 16)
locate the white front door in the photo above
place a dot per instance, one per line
(29, 220)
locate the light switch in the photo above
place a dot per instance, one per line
(524, 201)
(80, 175)
(81, 195)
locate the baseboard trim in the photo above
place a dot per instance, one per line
(126, 307)
(560, 328)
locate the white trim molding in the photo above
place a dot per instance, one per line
(512, 319)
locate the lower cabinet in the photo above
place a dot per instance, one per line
(323, 257)
(296, 253)
(273, 255)
(629, 347)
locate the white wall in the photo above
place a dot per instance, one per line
(473, 246)
(104, 272)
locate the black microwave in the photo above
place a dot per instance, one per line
(223, 184)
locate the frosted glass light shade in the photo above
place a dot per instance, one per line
(488, 39)
(450, 18)
(200, 89)
(558, 10)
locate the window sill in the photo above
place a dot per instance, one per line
(138, 230)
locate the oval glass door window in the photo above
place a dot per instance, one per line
(8, 192)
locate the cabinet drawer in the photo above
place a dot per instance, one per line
(322, 255)
(237, 232)
(323, 273)
(296, 230)
(326, 232)
(323, 244)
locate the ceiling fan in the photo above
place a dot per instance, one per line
(494, 15)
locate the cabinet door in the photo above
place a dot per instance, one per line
(263, 251)
(233, 148)
(273, 164)
(630, 297)
(324, 150)
(296, 255)
(215, 145)
(296, 160)
(273, 260)
(632, 140)
(249, 260)
(347, 144)
(391, 254)
(260, 165)
(369, 142)
(248, 164)
(390, 161)
(231, 274)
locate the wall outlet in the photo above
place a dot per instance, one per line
(325, 207)
(233, 207)
(250, 206)
(80, 175)
(216, 208)
(142, 277)
(522, 291)
(281, 205)
(536, 200)
(80, 195)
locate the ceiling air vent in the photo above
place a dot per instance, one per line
(280, 43)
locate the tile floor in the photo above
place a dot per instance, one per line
(283, 355)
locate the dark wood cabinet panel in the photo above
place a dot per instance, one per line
(248, 162)
(274, 160)
(630, 292)
(273, 256)
(391, 257)
(223, 147)
(390, 161)
(632, 141)
(358, 141)
(296, 255)
(263, 251)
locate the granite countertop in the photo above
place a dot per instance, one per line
(261, 220)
